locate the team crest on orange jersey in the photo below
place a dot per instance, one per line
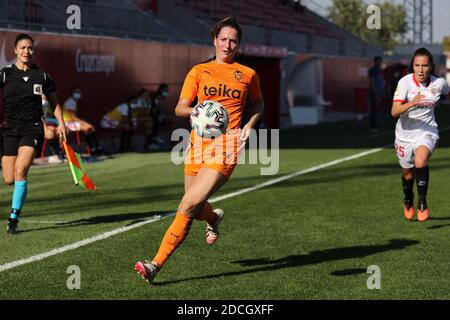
(238, 75)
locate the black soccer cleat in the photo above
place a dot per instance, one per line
(12, 227)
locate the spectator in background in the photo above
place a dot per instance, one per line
(74, 123)
(376, 92)
(158, 105)
(50, 124)
(143, 118)
(396, 76)
(120, 118)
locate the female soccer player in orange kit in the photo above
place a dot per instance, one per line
(224, 80)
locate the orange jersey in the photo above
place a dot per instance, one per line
(228, 84)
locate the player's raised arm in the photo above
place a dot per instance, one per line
(399, 107)
(183, 108)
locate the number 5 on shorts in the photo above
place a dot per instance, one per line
(400, 150)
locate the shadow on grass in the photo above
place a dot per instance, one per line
(122, 196)
(314, 257)
(134, 217)
(439, 226)
(439, 218)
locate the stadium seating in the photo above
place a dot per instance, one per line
(267, 14)
(103, 17)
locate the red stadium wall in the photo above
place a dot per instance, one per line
(341, 79)
(108, 70)
(345, 81)
(269, 72)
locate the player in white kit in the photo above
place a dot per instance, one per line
(416, 132)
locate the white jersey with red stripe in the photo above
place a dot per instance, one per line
(420, 118)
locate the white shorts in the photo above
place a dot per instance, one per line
(73, 125)
(406, 150)
(108, 124)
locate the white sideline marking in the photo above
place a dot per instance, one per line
(295, 174)
(78, 244)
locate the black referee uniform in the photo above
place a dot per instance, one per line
(23, 107)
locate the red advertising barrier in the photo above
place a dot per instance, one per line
(110, 70)
(360, 100)
(107, 70)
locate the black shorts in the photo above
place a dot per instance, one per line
(17, 134)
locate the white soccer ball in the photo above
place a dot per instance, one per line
(209, 119)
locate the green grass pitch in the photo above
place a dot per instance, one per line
(309, 237)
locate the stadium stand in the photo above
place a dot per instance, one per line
(273, 22)
(277, 38)
(117, 18)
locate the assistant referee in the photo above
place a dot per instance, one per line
(23, 83)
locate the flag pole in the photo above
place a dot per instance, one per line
(72, 169)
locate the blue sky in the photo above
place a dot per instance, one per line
(441, 15)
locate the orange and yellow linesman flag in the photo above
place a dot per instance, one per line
(78, 169)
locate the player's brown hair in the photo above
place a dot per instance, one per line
(422, 52)
(226, 22)
(23, 36)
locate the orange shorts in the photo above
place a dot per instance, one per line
(220, 154)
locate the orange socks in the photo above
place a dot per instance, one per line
(207, 214)
(179, 230)
(174, 236)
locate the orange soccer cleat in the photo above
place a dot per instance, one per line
(408, 210)
(422, 212)
(422, 215)
(408, 213)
